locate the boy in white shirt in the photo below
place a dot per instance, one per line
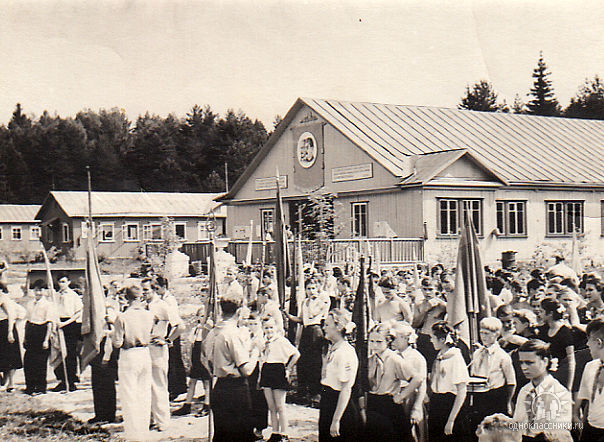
(591, 391)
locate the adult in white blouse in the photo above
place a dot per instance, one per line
(313, 311)
(448, 382)
(69, 307)
(338, 418)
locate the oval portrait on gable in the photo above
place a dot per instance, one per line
(307, 150)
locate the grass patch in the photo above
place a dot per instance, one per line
(48, 424)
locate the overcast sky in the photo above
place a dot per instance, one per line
(259, 56)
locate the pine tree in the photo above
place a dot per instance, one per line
(481, 97)
(543, 101)
(589, 101)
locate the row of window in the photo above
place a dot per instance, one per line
(563, 217)
(131, 232)
(16, 233)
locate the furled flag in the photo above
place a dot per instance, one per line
(93, 312)
(280, 246)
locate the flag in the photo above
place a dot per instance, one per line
(293, 299)
(359, 317)
(213, 289)
(280, 245)
(470, 301)
(575, 262)
(93, 313)
(248, 255)
(58, 348)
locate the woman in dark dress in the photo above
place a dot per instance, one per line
(10, 356)
(559, 335)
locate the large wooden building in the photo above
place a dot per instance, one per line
(127, 221)
(19, 231)
(414, 172)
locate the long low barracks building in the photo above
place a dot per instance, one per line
(415, 172)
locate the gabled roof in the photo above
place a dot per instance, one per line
(18, 213)
(427, 166)
(519, 148)
(105, 204)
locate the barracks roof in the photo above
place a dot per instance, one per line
(18, 213)
(518, 148)
(75, 203)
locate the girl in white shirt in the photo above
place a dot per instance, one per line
(448, 382)
(338, 418)
(278, 359)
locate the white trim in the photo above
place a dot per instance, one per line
(31, 233)
(126, 237)
(102, 233)
(202, 231)
(65, 237)
(184, 224)
(148, 232)
(1, 233)
(12, 233)
(84, 229)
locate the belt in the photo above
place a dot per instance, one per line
(139, 345)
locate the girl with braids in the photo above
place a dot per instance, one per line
(448, 383)
(338, 415)
(559, 335)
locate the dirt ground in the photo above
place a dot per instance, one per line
(60, 416)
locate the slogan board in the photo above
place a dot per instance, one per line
(351, 173)
(270, 183)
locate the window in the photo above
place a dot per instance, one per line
(359, 220)
(180, 229)
(511, 218)
(130, 232)
(16, 233)
(106, 231)
(202, 231)
(563, 217)
(152, 232)
(1, 232)
(452, 213)
(266, 217)
(34, 233)
(66, 232)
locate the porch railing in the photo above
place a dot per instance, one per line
(389, 250)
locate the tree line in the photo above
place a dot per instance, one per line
(588, 102)
(152, 154)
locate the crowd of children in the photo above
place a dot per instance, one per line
(536, 374)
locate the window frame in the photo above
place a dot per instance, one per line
(202, 231)
(562, 219)
(357, 227)
(184, 224)
(505, 230)
(102, 232)
(1, 233)
(264, 223)
(148, 232)
(31, 233)
(126, 234)
(459, 210)
(65, 232)
(14, 229)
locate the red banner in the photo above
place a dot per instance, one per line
(309, 161)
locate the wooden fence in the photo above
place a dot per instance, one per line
(387, 250)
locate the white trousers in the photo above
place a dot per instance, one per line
(160, 398)
(134, 388)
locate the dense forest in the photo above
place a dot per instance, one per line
(152, 154)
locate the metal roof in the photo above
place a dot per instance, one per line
(105, 204)
(18, 213)
(518, 148)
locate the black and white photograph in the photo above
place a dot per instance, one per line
(281, 220)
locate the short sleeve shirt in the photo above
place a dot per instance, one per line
(41, 312)
(278, 351)
(494, 364)
(229, 350)
(449, 371)
(69, 304)
(340, 366)
(386, 371)
(595, 416)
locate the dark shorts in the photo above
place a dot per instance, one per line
(198, 371)
(273, 376)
